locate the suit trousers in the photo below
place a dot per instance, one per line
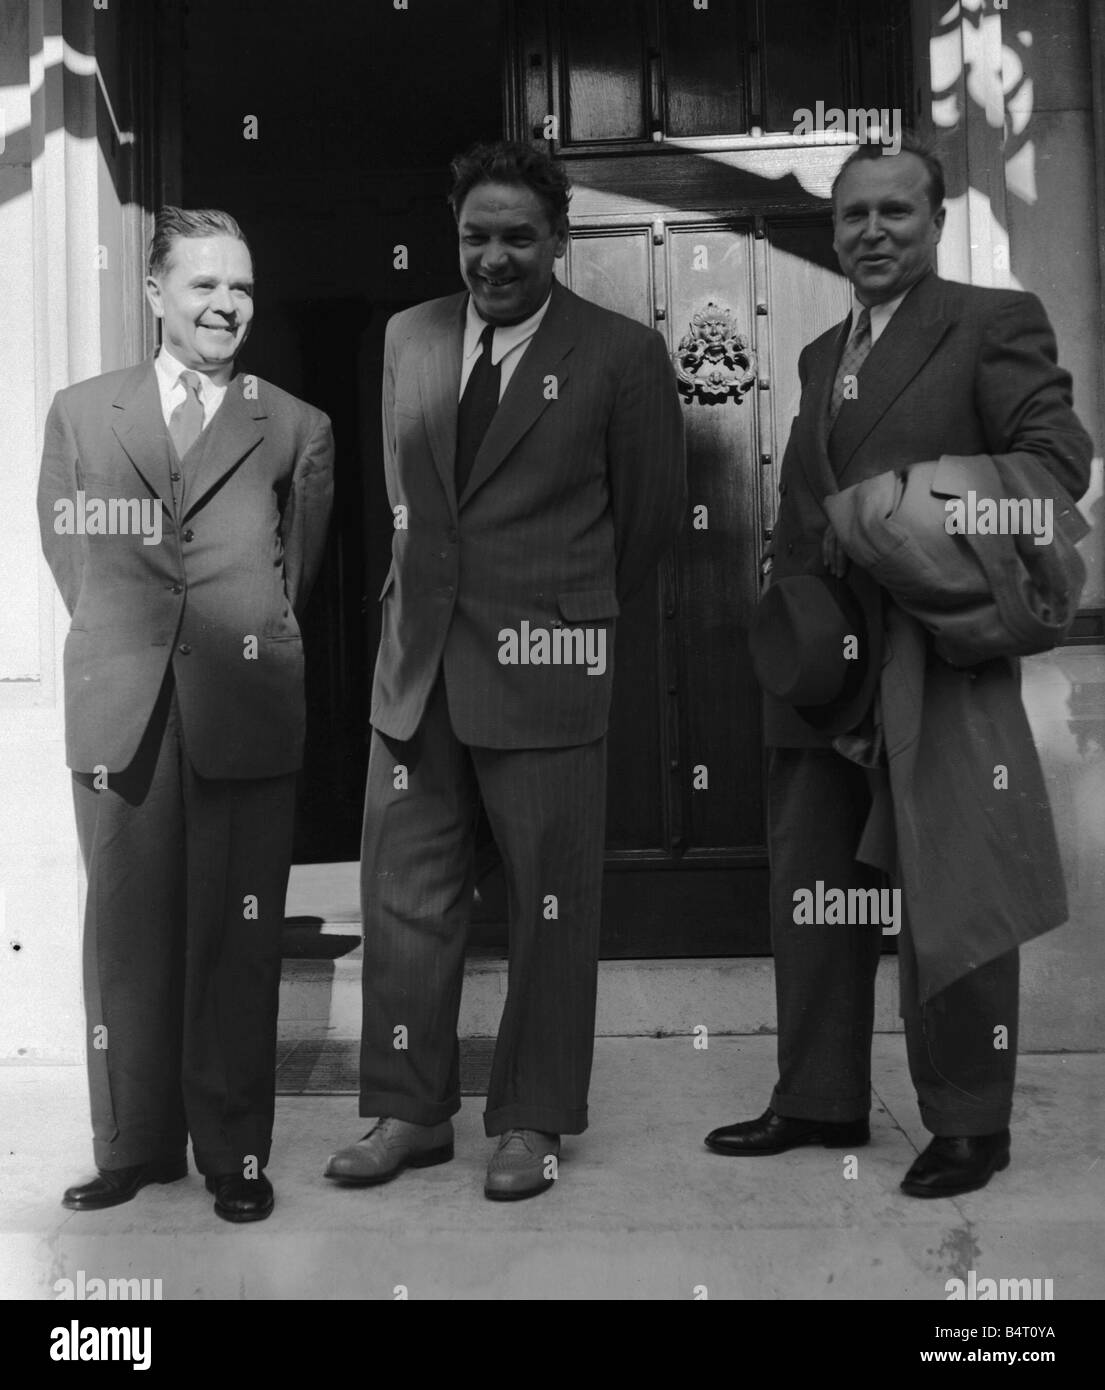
(187, 878)
(546, 808)
(825, 974)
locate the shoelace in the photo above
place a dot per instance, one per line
(515, 1138)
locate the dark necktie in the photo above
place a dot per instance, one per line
(186, 421)
(851, 360)
(477, 408)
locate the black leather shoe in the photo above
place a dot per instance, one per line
(775, 1134)
(241, 1199)
(112, 1186)
(959, 1163)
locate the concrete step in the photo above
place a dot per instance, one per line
(636, 998)
(320, 993)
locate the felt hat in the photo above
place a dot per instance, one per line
(816, 644)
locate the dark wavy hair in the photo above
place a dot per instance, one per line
(507, 161)
(911, 144)
(170, 223)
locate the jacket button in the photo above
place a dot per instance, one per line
(188, 536)
(184, 649)
(175, 477)
(175, 588)
(790, 547)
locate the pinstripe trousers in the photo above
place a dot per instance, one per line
(546, 807)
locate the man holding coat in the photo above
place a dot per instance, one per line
(907, 762)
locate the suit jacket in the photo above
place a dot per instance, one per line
(237, 564)
(959, 370)
(577, 491)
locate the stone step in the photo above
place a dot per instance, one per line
(320, 991)
(636, 998)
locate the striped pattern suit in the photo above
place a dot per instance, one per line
(576, 493)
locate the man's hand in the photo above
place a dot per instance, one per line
(832, 553)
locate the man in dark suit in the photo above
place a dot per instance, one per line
(534, 455)
(183, 510)
(923, 368)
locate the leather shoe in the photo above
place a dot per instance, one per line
(390, 1146)
(520, 1165)
(959, 1163)
(241, 1199)
(111, 1186)
(775, 1134)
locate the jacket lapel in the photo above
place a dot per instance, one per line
(232, 434)
(906, 344)
(813, 412)
(525, 399)
(140, 428)
(439, 386)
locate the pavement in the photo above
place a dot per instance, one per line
(640, 1209)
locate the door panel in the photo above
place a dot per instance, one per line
(613, 267)
(687, 217)
(603, 47)
(706, 57)
(718, 554)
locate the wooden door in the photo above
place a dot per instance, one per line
(692, 212)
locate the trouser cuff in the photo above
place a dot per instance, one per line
(549, 1119)
(385, 1104)
(956, 1124)
(839, 1111)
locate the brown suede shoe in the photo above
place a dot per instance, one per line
(390, 1146)
(523, 1165)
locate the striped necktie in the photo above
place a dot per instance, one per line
(851, 360)
(186, 421)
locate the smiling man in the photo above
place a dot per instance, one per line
(184, 720)
(533, 445)
(922, 368)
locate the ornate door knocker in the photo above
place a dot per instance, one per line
(714, 361)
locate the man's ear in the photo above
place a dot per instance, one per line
(562, 237)
(938, 222)
(153, 294)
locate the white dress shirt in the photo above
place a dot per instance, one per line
(881, 314)
(508, 345)
(172, 389)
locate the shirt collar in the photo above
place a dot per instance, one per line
(881, 314)
(506, 338)
(168, 368)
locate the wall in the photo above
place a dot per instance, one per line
(58, 207)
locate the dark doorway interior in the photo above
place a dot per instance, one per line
(328, 132)
(359, 109)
